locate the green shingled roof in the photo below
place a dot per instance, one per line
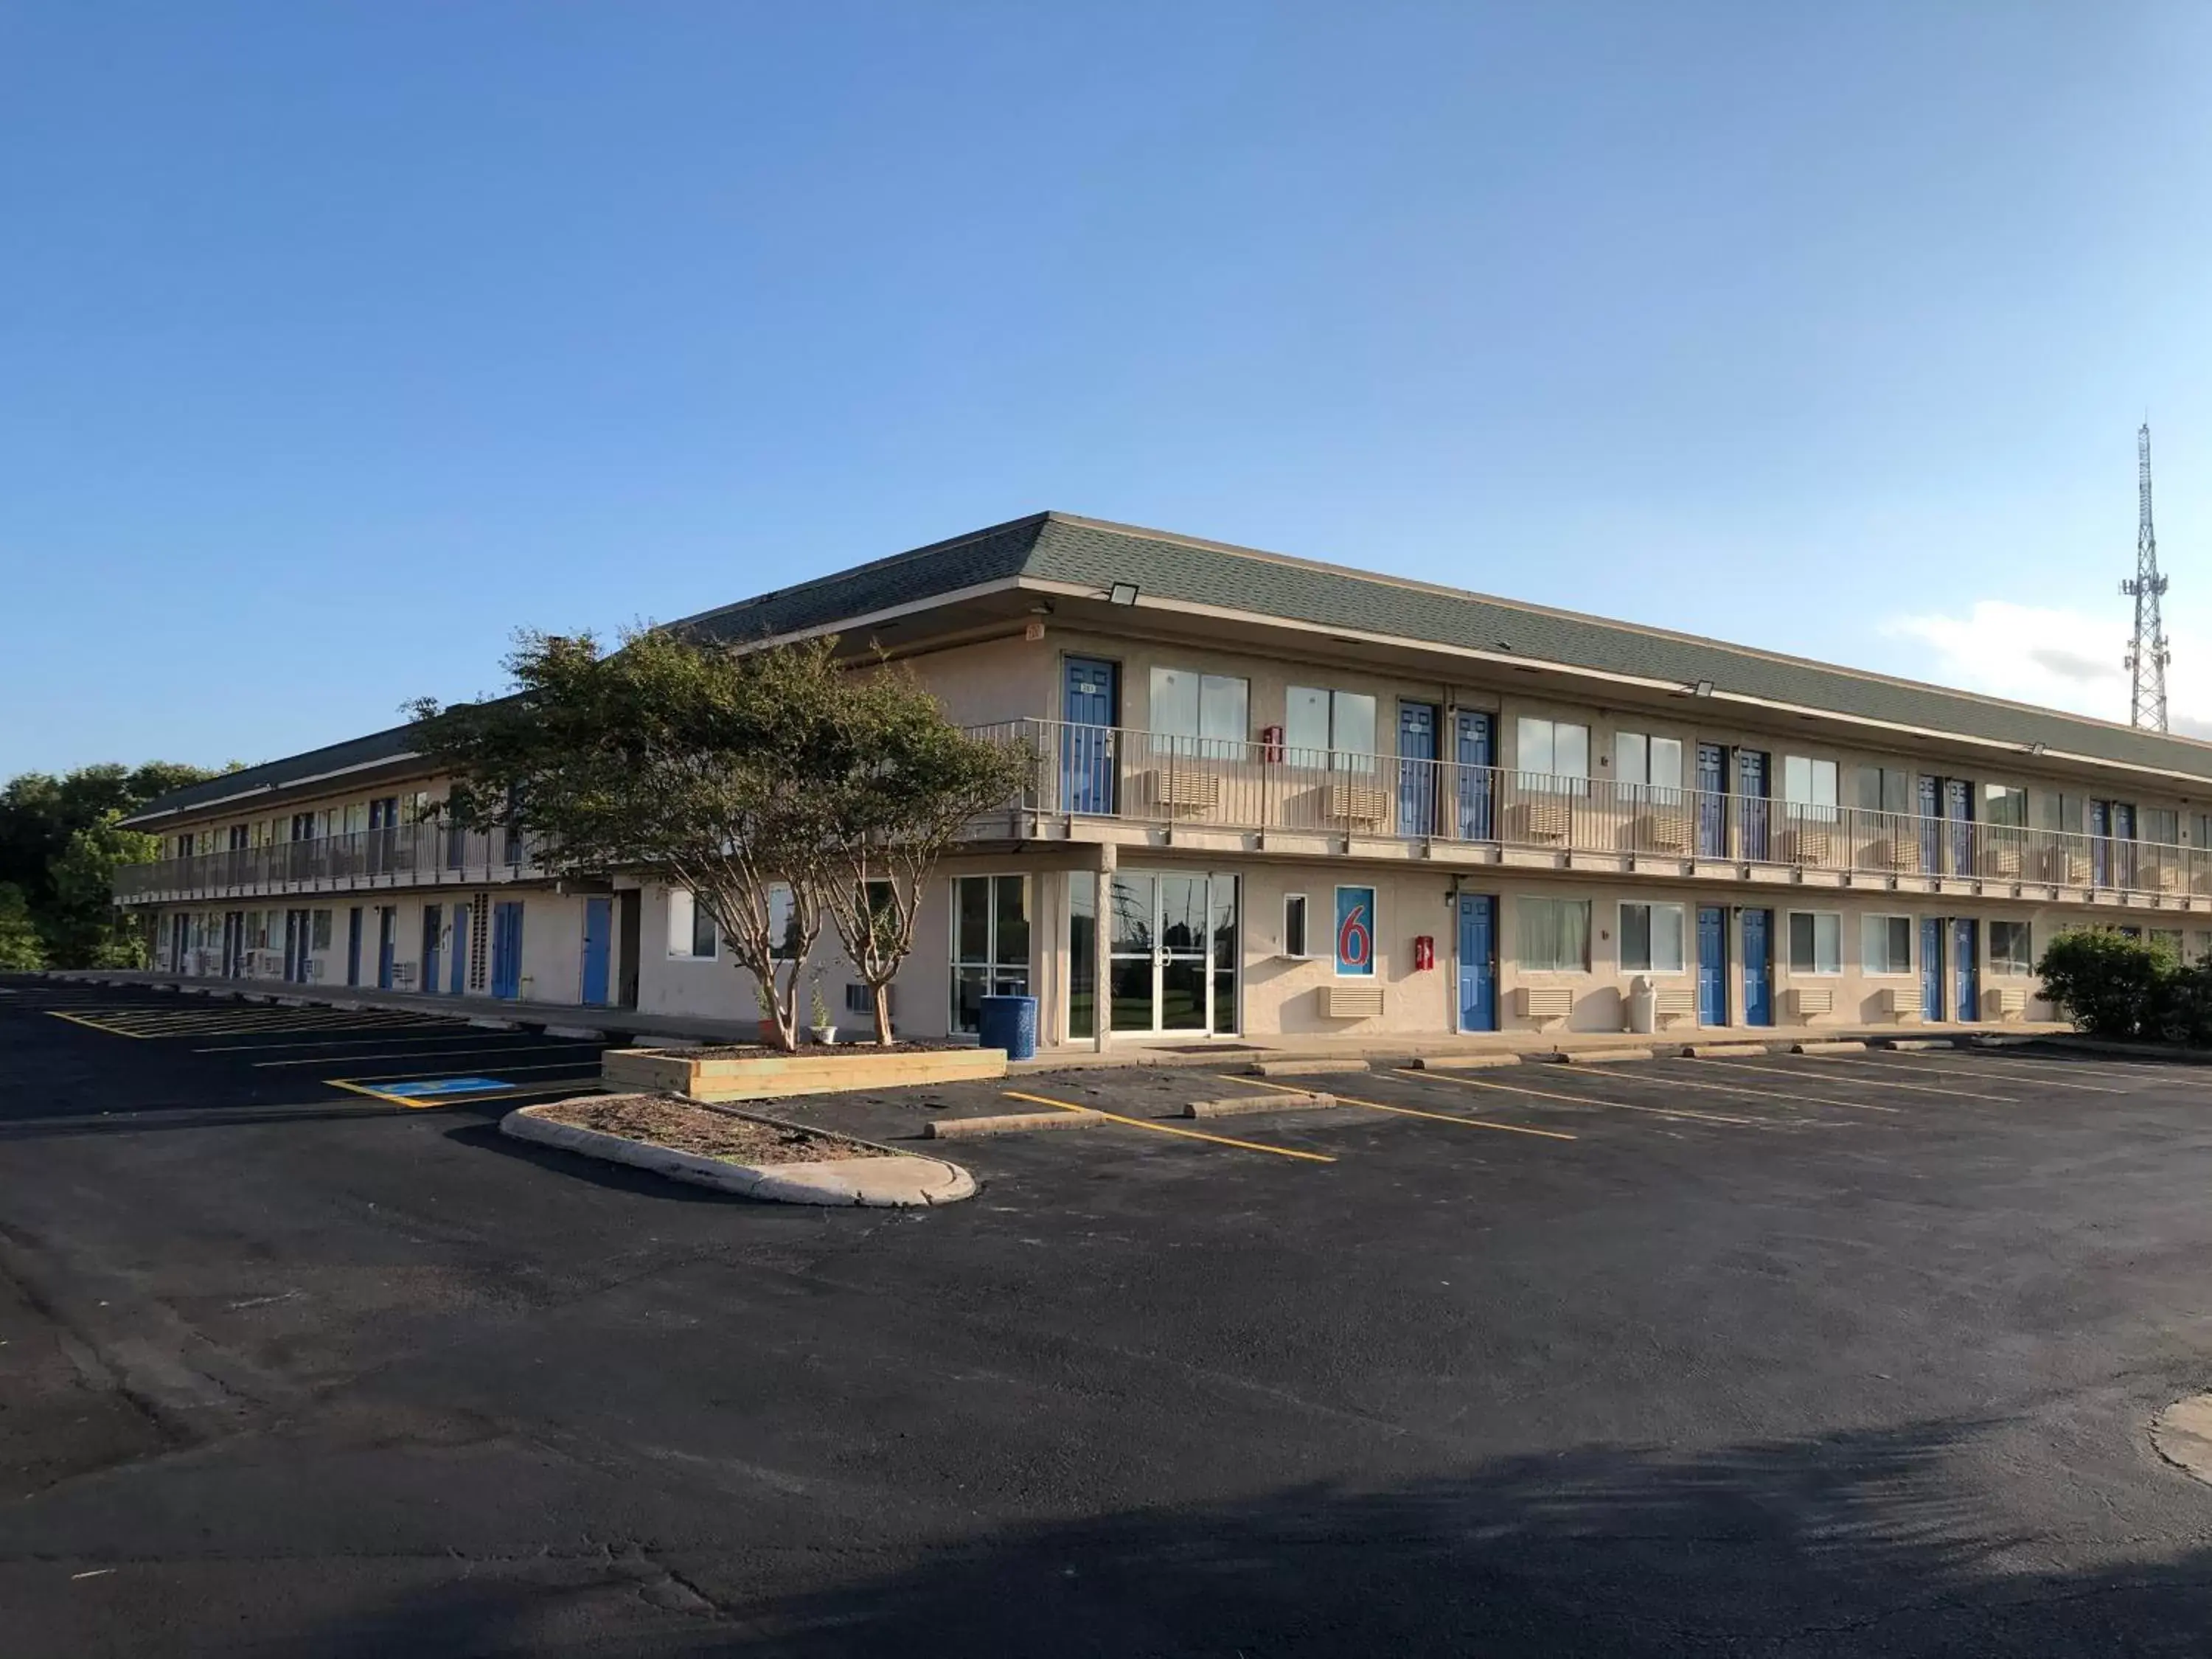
(1056, 547)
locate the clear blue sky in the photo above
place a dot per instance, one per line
(338, 341)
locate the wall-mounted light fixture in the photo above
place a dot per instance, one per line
(1702, 689)
(1122, 593)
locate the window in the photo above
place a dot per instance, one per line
(1083, 953)
(1651, 939)
(691, 928)
(1810, 785)
(2008, 948)
(1816, 942)
(2060, 812)
(1332, 727)
(384, 812)
(1544, 750)
(303, 826)
(1554, 935)
(1210, 708)
(2162, 824)
(322, 931)
(1294, 924)
(2200, 832)
(356, 819)
(1886, 945)
(990, 944)
(1884, 789)
(2200, 943)
(2003, 804)
(2167, 939)
(1638, 759)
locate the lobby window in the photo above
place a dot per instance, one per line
(690, 928)
(1546, 750)
(2009, 949)
(1554, 935)
(990, 944)
(1651, 939)
(1886, 945)
(1212, 708)
(1332, 728)
(1083, 953)
(1816, 942)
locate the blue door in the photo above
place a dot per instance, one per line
(1967, 965)
(1931, 969)
(1712, 807)
(353, 946)
(433, 923)
(1417, 769)
(1751, 784)
(507, 949)
(599, 948)
(1478, 963)
(1931, 827)
(458, 973)
(2123, 844)
(1958, 814)
(1712, 965)
(1758, 967)
(1473, 753)
(387, 944)
(1090, 706)
(2100, 843)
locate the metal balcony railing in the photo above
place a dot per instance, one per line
(1115, 772)
(407, 855)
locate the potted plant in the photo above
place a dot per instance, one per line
(822, 1030)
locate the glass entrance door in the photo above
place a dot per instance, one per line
(1173, 950)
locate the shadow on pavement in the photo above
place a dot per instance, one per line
(1854, 1544)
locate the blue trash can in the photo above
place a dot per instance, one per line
(1009, 1022)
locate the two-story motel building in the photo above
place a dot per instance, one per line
(1279, 798)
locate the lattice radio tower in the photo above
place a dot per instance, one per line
(2147, 652)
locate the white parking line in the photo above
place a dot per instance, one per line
(1902, 1063)
(1916, 1088)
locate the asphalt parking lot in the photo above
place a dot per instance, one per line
(1767, 1355)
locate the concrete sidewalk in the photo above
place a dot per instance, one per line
(653, 1029)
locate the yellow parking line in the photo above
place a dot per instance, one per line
(379, 1094)
(1168, 1129)
(1903, 1064)
(1584, 1100)
(1408, 1111)
(488, 1055)
(91, 1024)
(1916, 1088)
(447, 1071)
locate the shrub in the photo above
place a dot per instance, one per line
(2112, 986)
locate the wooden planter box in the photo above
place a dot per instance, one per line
(810, 1072)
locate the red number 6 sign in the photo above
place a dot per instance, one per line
(1355, 930)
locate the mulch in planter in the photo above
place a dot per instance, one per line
(662, 1121)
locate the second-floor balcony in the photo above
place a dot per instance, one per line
(406, 855)
(1278, 798)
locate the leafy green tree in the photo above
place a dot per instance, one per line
(2109, 984)
(905, 784)
(20, 945)
(40, 816)
(778, 785)
(85, 927)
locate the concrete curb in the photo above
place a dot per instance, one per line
(1006, 1123)
(1600, 1056)
(1722, 1050)
(1912, 1045)
(1305, 1067)
(1840, 1046)
(927, 1182)
(1461, 1062)
(1312, 1100)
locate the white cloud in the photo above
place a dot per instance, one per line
(2061, 659)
